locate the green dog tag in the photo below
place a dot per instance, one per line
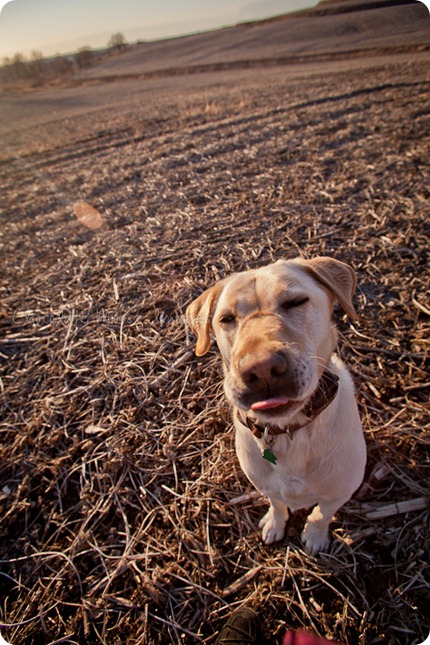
(269, 455)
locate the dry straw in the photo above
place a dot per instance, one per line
(124, 515)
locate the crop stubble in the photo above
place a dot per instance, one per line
(125, 516)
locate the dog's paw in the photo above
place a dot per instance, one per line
(273, 525)
(314, 540)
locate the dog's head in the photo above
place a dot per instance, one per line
(273, 328)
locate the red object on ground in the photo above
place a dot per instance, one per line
(305, 638)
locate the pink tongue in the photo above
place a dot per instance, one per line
(270, 403)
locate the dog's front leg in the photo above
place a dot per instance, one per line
(273, 523)
(315, 536)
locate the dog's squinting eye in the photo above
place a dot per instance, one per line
(294, 302)
(226, 319)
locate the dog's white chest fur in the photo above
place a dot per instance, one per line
(288, 478)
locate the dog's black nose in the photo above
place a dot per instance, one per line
(264, 369)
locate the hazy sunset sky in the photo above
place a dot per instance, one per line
(61, 26)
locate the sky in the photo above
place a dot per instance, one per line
(63, 26)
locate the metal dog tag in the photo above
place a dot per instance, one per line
(268, 453)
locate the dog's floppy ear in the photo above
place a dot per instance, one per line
(337, 276)
(199, 316)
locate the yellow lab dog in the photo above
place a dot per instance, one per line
(298, 432)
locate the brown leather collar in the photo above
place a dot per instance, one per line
(319, 401)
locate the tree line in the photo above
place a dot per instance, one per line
(37, 68)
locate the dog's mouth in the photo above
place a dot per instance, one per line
(285, 406)
(279, 406)
(271, 404)
(268, 405)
